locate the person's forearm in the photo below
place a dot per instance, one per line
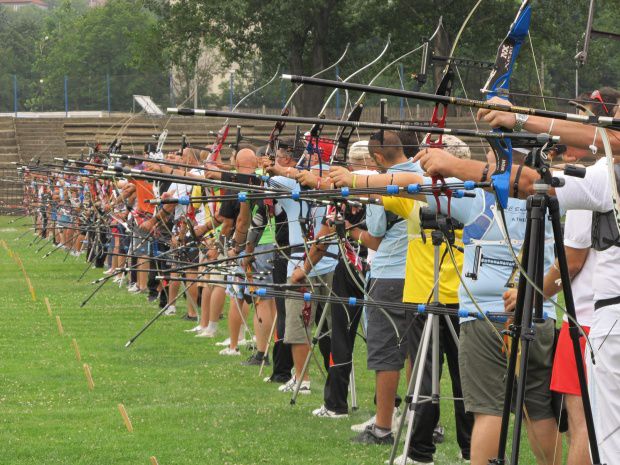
(315, 254)
(552, 283)
(242, 224)
(571, 133)
(365, 238)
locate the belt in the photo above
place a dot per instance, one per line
(606, 302)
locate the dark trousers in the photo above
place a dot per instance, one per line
(281, 353)
(100, 255)
(427, 414)
(345, 320)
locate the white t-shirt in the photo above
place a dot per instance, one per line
(181, 190)
(578, 235)
(593, 193)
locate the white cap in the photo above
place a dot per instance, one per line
(456, 146)
(359, 151)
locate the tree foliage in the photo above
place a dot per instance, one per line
(138, 43)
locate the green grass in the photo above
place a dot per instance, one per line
(188, 405)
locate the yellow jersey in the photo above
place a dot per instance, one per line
(419, 274)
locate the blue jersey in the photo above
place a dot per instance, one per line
(488, 263)
(390, 259)
(295, 209)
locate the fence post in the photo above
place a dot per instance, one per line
(337, 94)
(171, 84)
(15, 103)
(401, 74)
(66, 97)
(231, 92)
(107, 79)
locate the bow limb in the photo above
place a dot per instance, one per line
(498, 86)
(344, 134)
(317, 129)
(355, 73)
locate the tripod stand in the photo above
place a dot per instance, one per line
(443, 228)
(529, 308)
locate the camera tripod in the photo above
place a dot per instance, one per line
(442, 230)
(529, 305)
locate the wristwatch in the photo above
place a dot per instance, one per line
(521, 119)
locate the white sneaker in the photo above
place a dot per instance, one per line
(359, 428)
(404, 460)
(324, 412)
(226, 342)
(290, 386)
(195, 329)
(229, 351)
(206, 332)
(109, 271)
(117, 279)
(172, 310)
(133, 289)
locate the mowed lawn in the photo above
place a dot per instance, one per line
(187, 404)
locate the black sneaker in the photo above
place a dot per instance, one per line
(255, 361)
(438, 434)
(189, 318)
(368, 436)
(153, 297)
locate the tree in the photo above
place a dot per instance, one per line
(115, 45)
(20, 34)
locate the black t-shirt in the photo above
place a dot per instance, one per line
(229, 209)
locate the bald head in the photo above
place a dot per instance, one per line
(246, 161)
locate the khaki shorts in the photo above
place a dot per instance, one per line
(295, 332)
(483, 367)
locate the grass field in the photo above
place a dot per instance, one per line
(187, 404)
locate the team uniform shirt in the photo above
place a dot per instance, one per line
(419, 274)
(181, 190)
(593, 193)
(390, 259)
(578, 235)
(488, 264)
(294, 209)
(144, 191)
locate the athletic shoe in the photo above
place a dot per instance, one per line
(229, 351)
(172, 310)
(253, 360)
(133, 289)
(206, 332)
(368, 436)
(404, 460)
(108, 271)
(291, 385)
(438, 434)
(280, 379)
(152, 297)
(195, 329)
(226, 342)
(359, 428)
(188, 317)
(324, 412)
(117, 279)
